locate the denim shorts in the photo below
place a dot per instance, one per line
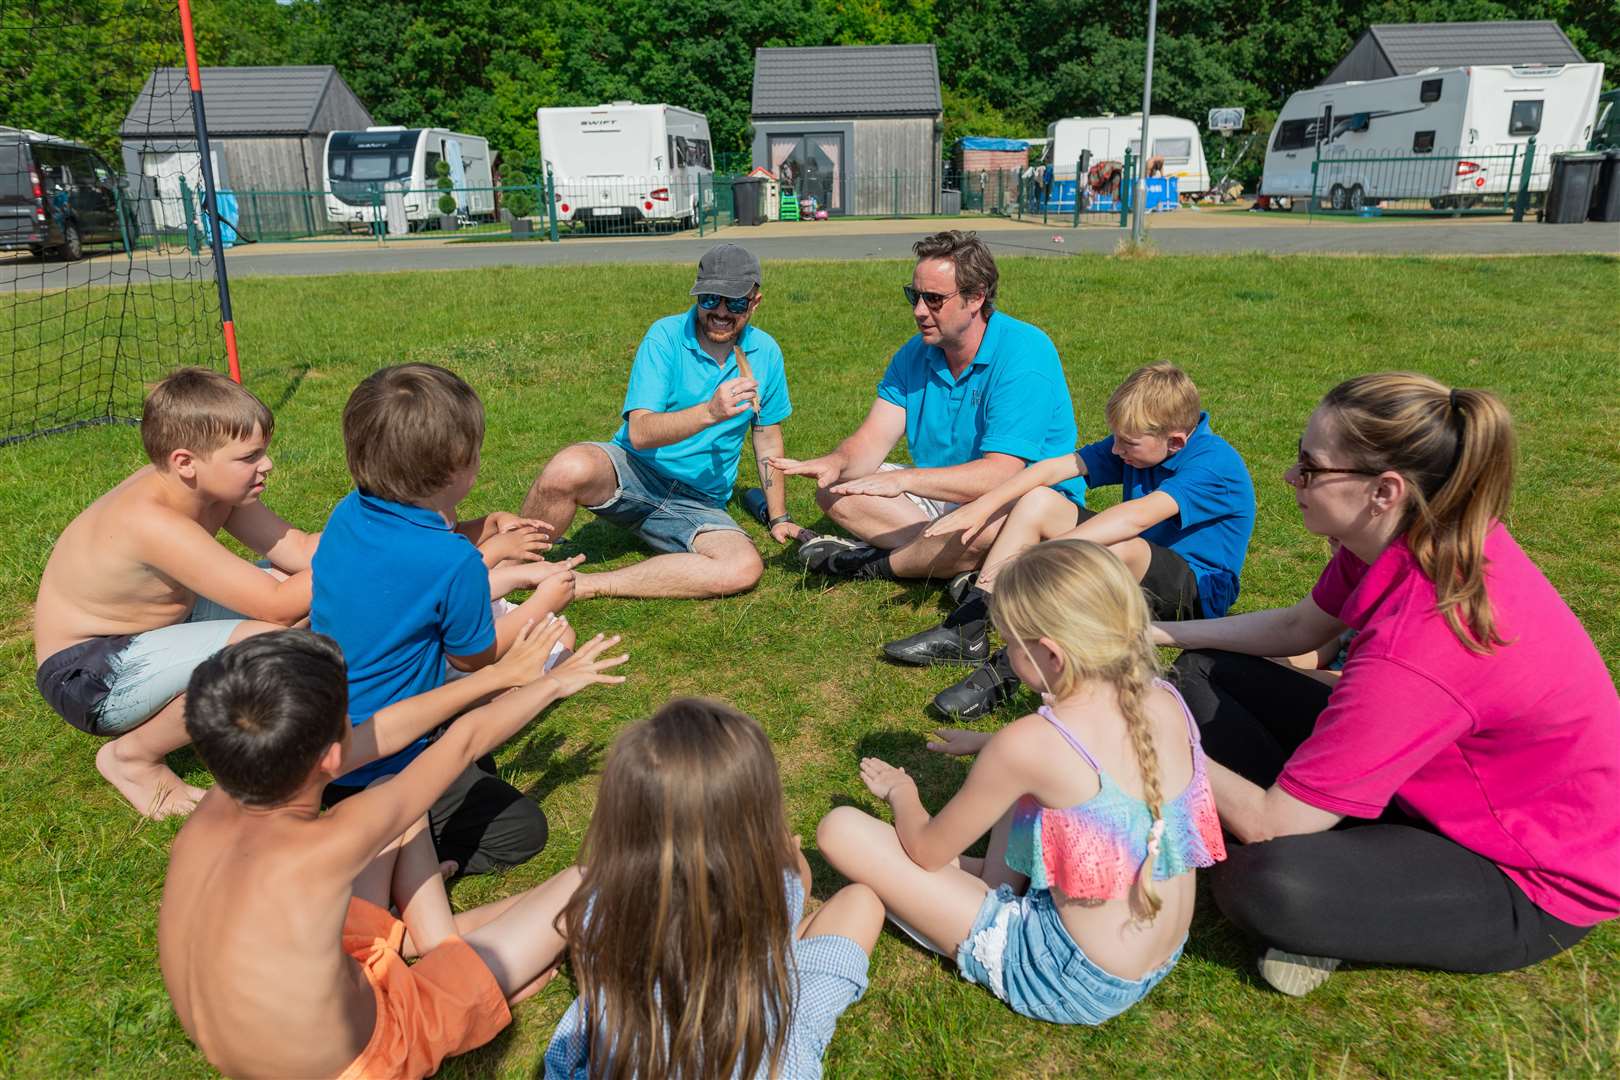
(665, 513)
(1020, 951)
(108, 685)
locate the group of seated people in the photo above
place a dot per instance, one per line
(1436, 791)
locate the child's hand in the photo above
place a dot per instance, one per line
(966, 519)
(525, 661)
(883, 779)
(521, 542)
(586, 666)
(554, 587)
(502, 521)
(957, 742)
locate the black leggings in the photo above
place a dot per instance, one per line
(1391, 891)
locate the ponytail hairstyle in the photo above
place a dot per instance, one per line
(1455, 449)
(679, 930)
(1080, 596)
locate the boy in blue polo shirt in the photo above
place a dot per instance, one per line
(402, 587)
(1182, 525)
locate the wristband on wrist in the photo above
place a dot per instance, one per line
(779, 519)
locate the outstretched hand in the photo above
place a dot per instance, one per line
(824, 471)
(968, 519)
(524, 543)
(525, 661)
(588, 666)
(885, 484)
(883, 779)
(957, 742)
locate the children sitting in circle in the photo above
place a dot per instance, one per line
(1097, 805)
(352, 768)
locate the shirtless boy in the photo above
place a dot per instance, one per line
(138, 590)
(274, 918)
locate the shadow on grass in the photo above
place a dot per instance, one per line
(291, 389)
(539, 754)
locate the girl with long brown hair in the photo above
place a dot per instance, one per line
(1474, 732)
(1097, 807)
(687, 934)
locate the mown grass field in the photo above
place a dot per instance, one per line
(549, 351)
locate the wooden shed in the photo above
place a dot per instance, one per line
(267, 128)
(858, 128)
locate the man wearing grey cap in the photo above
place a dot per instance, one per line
(700, 380)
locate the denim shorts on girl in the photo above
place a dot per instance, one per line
(665, 513)
(1021, 952)
(108, 685)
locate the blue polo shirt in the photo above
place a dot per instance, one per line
(1012, 399)
(672, 372)
(1214, 495)
(398, 590)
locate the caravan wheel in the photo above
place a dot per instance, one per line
(1336, 198)
(1357, 198)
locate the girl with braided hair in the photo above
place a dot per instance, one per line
(1097, 806)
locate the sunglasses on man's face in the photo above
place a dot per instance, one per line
(934, 300)
(737, 305)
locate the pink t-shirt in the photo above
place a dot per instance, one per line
(1515, 755)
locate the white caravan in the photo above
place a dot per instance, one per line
(361, 168)
(1107, 137)
(619, 164)
(1456, 133)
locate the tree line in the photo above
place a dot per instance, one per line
(1008, 67)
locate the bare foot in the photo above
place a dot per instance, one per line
(534, 987)
(151, 787)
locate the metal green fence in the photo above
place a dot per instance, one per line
(1431, 182)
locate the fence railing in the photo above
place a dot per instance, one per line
(1433, 182)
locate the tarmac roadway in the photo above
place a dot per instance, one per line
(1188, 231)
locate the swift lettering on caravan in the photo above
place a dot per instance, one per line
(1450, 136)
(361, 165)
(622, 164)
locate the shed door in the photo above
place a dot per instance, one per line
(166, 169)
(813, 166)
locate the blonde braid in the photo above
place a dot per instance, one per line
(1132, 686)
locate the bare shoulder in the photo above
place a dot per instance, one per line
(1172, 737)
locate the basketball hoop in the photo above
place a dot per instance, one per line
(1226, 121)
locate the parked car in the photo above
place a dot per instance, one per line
(57, 195)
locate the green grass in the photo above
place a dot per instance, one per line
(549, 350)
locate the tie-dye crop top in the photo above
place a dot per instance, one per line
(1093, 851)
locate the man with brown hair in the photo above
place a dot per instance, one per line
(138, 590)
(976, 393)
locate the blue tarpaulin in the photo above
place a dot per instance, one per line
(986, 142)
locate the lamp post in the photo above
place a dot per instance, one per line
(1140, 201)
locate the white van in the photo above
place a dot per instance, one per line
(382, 159)
(619, 164)
(1455, 134)
(1107, 137)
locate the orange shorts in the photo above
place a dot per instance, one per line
(444, 1004)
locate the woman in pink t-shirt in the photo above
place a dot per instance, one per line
(1474, 732)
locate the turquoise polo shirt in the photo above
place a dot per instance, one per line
(672, 372)
(398, 590)
(1214, 495)
(1012, 399)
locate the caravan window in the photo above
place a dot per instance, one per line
(690, 153)
(1295, 135)
(1430, 90)
(1526, 118)
(1173, 149)
(1423, 142)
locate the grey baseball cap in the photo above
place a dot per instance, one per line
(726, 270)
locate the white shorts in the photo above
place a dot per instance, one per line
(934, 509)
